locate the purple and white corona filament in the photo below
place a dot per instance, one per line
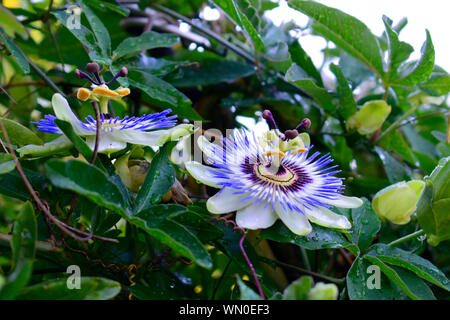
(150, 130)
(265, 179)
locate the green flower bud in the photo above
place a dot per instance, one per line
(370, 117)
(433, 209)
(397, 202)
(323, 291)
(132, 172)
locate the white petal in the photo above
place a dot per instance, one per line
(203, 174)
(210, 149)
(324, 217)
(226, 201)
(62, 111)
(153, 138)
(107, 144)
(344, 202)
(296, 222)
(255, 217)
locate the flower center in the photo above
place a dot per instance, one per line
(281, 175)
(287, 175)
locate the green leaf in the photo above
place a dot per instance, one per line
(79, 143)
(398, 51)
(413, 286)
(246, 292)
(15, 51)
(91, 288)
(12, 185)
(395, 171)
(318, 238)
(211, 71)
(18, 134)
(410, 261)
(301, 58)
(357, 279)
(342, 153)
(229, 244)
(158, 181)
(7, 163)
(245, 23)
(395, 141)
(147, 40)
(156, 221)
(345, 31)
(320, 95)
(366, 224)
(427, 162)
(347, 103)
(163, 94)
(422, 69)
(23, 245)
(10, 23)
(234, 12)
(299, 289)
(437, 85)
(278, 57)
(89, 181)
(100, 32)
(101, 4)
(199, 226)
(84, 35)
(59, 145)
(434, 204)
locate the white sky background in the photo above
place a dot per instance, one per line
(433, 15)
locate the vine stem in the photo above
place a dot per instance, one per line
(244, 253)
(236, 49)
(396, 123)
(408, 237)
(314, 274)
(43, 205)
(93, 158)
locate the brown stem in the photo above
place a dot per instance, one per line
(42, 205)
(93, 158)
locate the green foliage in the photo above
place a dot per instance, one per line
(382, 116)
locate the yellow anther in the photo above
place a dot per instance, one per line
(300, 150)
(123, 91)
(83, 94)
(105, 92)
(274, 153)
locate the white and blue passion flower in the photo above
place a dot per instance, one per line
(264, 179)
(149, 130)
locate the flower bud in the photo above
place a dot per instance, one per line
(397, 202)
(370, 117)
(433, 209)
(323, 291)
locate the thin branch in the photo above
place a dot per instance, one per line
(205, 31)
(93, 158)
(314, 274)
(408, 237)
(244, 253)
(396, 123)
(42, 205)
